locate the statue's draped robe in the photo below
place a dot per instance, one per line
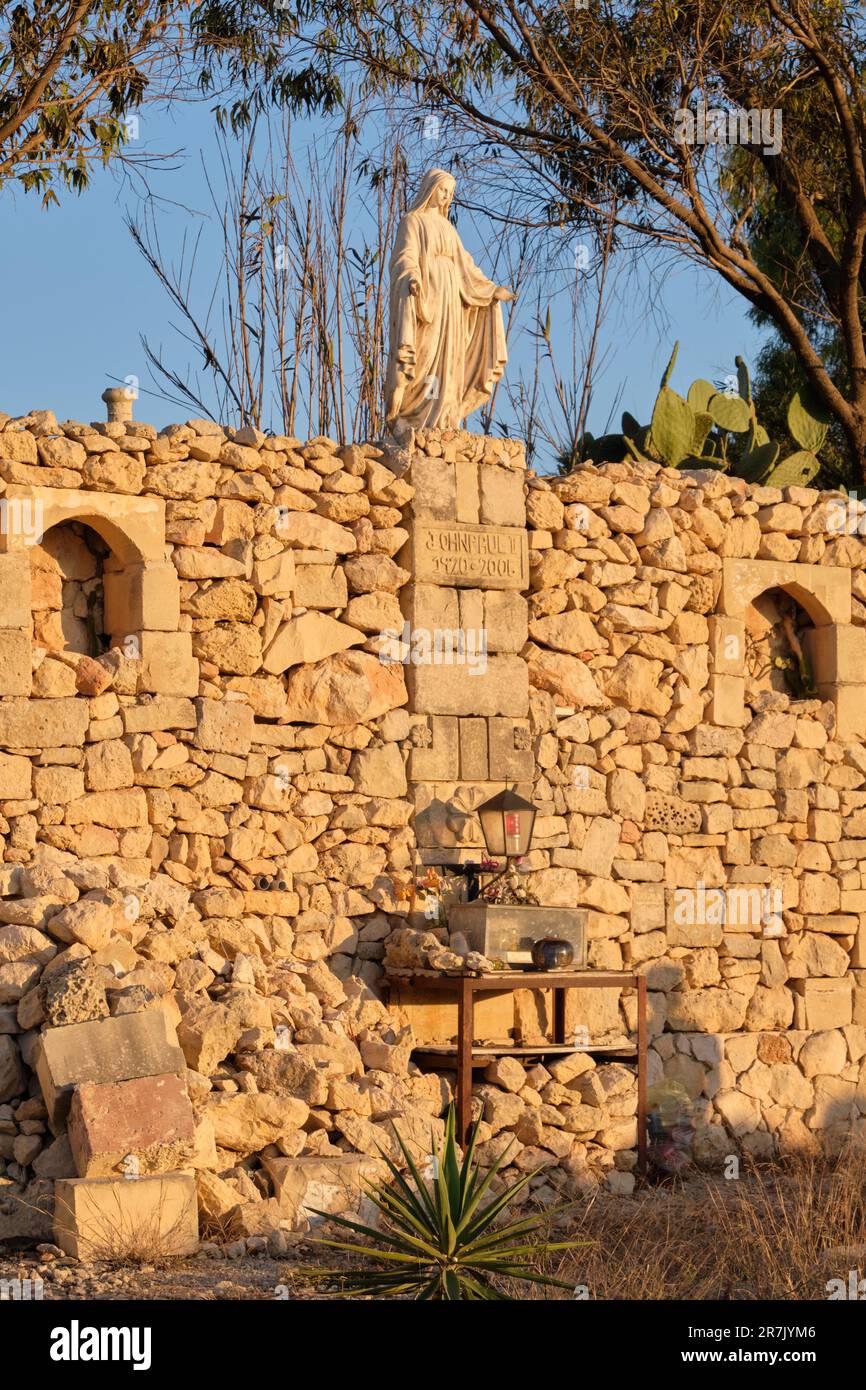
(448, 343)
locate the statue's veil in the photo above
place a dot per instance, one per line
(430, 182)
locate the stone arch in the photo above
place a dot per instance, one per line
(837, 649)
(141, 587)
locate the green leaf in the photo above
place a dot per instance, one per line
(669, 368)
(797, 470)
(743, 381)
(755, 466)
(729, 412)
(673, 426)
(808, 420)
(703, 425)
(700, 393)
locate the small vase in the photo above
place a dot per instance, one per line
(550, 953)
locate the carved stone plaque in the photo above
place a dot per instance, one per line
(464, 556)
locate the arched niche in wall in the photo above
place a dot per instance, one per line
(141, 587)
(836, 649)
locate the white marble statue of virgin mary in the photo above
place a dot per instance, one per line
(447, 348)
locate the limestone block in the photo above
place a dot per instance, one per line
(15, 667)
(468, 494)
(147, 1217)
(111, 1049)
(336, 1184)
(440, 760)
(320, 586)
(727, 702)
(820, 1004)
(429, 607)
(15, 590)
(506, 761)
(168, 666)
(727, 645)
(43, 723)
(435, 484)
(126, 1128)
(473, 750)
(15, 776)
(503, 688)
(148, 715)
(225, 726)
(837, 653)
(502, 502)
(464, 556)
(505, 620)
(347, 688)
(275, 577)
(142, 596)
(308, 638)
(850, 706)
(379, 771)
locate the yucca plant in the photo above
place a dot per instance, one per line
(441, 1241)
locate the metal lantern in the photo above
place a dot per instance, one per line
(506, 824)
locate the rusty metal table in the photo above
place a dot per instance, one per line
(465, 987)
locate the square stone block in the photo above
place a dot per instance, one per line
(168, 666)
(430, 606)
(142, 596)
(105, 1218)
(503, 688)
(16, 676)
(320, 586)
(15, 589)
(504, 759)
(506, 620)
(823, 1003)
(224, 726)
(502, 500)
(459, 555)
(127, 1128)
(440, 761)
(435, 484)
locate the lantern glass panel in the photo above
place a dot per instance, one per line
(506, 823)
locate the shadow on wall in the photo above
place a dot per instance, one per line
(777, 637)
(67, 590)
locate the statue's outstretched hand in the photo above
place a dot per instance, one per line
(502, 292)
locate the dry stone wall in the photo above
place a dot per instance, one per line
(249, 685)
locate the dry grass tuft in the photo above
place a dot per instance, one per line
(778, 1232)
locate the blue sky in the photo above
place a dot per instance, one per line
(77, 296)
